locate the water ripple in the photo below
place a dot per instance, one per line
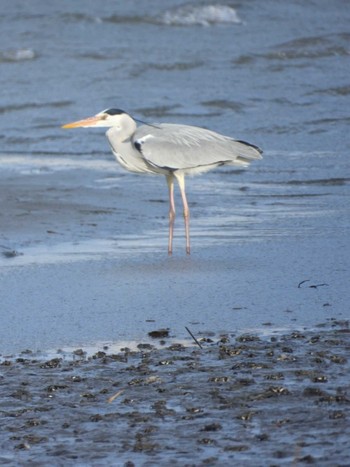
(166, 67)
(310, 48)
(32, 105)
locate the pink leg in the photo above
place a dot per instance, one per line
(170, 181)
(181, 181)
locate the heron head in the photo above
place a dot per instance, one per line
(106, 118)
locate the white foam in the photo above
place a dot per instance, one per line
(190, 15)
(17, 55)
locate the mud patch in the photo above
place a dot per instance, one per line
(239, 399)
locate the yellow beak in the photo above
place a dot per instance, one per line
(91, 121)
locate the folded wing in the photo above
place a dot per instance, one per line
(182, 147)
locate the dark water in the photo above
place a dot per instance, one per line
(274, 73)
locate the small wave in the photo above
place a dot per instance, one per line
(33, 105)
(80, 17)
(302, 50)
(17, 55)
(312, 48)
(98, 56)
(190, 15)
(224, 104)
(169, 66)
(336, 91)
(158, 111)
(175, 66)
(120, 19)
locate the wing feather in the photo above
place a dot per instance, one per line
(181, 147)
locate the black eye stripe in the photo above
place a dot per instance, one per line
(114, 111)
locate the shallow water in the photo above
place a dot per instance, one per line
(278, 78)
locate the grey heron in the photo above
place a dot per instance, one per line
(169, 149)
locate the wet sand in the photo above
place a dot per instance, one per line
(265, 291)
(237, 400)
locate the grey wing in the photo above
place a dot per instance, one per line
(181, 147)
